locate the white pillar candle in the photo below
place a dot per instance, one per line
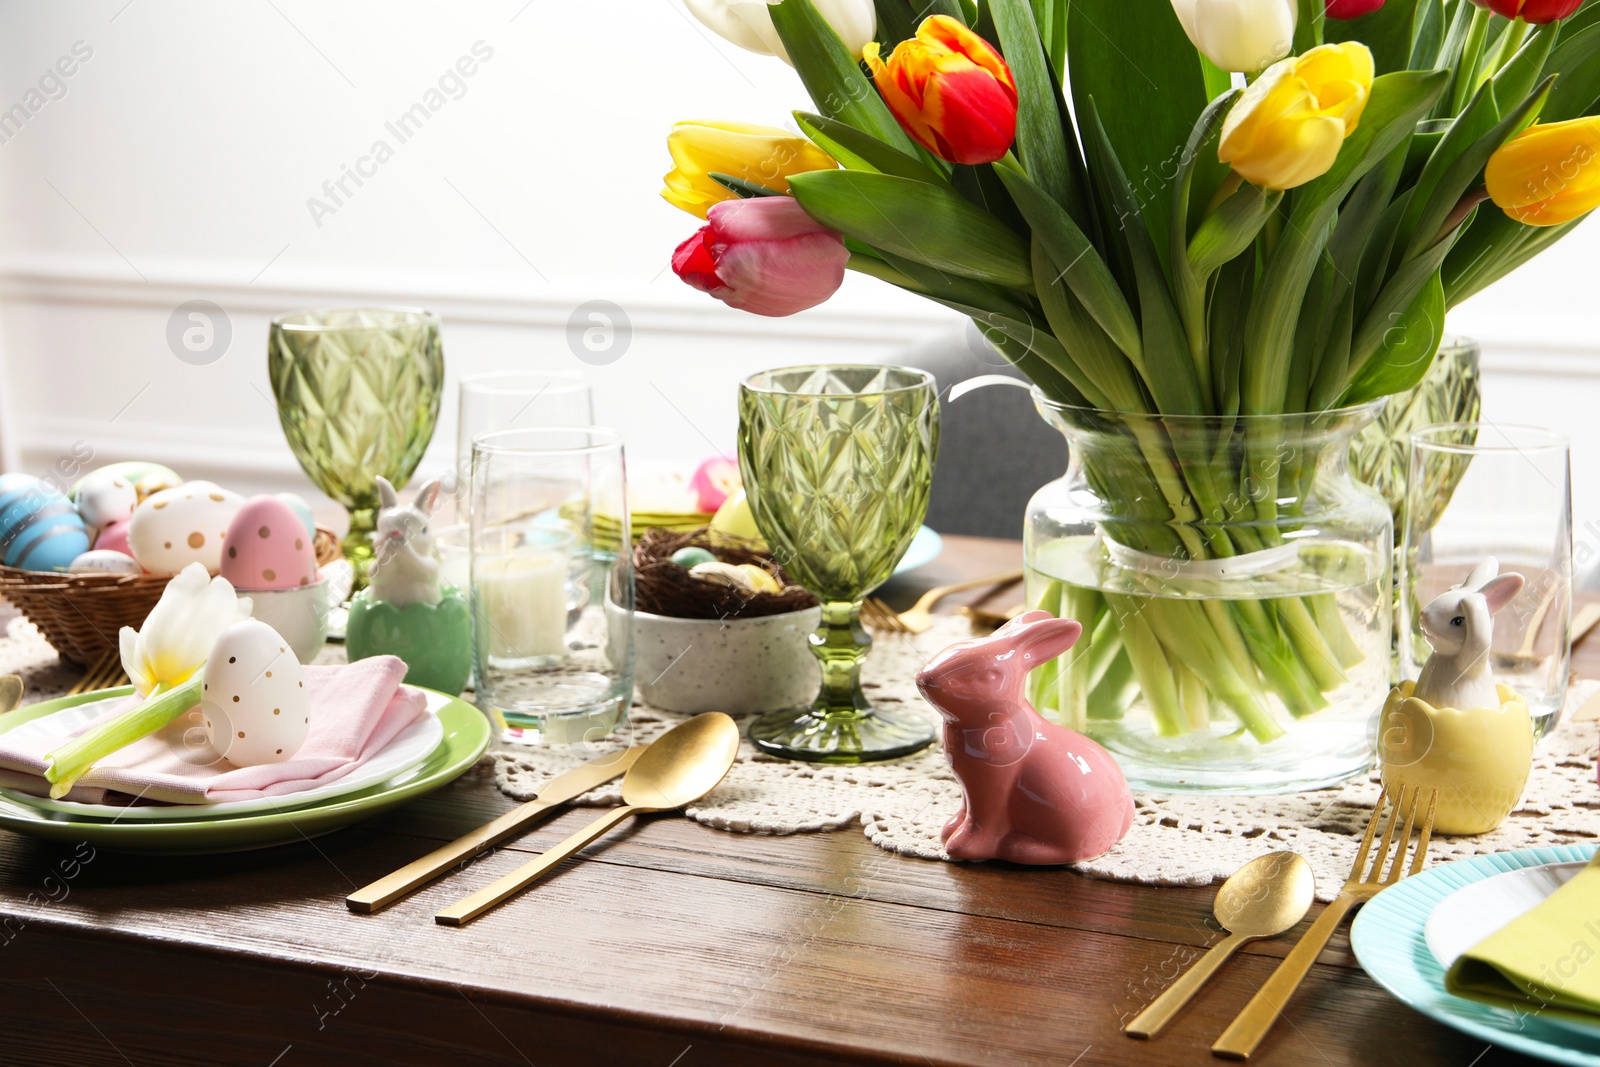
(522, 597)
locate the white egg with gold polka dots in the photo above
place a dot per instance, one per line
(182, 525)
(253, 701)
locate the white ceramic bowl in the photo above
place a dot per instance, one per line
(731, 665)
(299, 614)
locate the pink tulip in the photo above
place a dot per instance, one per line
(764, 255)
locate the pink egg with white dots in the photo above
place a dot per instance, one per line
(267, 547)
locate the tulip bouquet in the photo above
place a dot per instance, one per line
(1169, 208)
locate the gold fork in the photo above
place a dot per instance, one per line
(104, 674)
(919, 618)
(1240, 1039)
(880, 616)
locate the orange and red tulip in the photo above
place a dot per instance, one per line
(950, 90)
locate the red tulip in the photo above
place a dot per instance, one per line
(1537, 12)
(950, 90)
(764, 255)
(1352, 9)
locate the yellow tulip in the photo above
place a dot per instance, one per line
(765, 155)
(1547, 175)
(1287, 127)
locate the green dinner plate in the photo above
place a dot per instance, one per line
(466, 736)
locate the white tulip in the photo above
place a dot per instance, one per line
(748, 23)
(1244, 35)
(173, 642)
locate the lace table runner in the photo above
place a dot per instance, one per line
(901, 805)
(1175, 840)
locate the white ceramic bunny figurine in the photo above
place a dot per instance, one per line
(1459, 626)
(405, 568)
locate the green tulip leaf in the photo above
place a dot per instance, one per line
(1407, 347)
(861, 151)
(1086, 273)
(1516, 79)
(1441, 186)
(1168, 367)
(1428, 30)
(831, 74)
(742, 187)
(1310, 26)
(1231, 228)
(929, 224)
(1134, 59)
(1388, 32)
(1577, 74)
(1040, 140)
(1107, 371)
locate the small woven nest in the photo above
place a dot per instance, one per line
(662, 587)
(82, 614)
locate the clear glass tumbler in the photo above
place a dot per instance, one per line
(552, 608)
(1477, 489)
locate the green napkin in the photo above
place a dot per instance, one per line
(1547, 959)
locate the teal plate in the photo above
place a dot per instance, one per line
(466, 736)
(1387, 938)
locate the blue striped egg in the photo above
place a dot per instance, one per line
(40, 530)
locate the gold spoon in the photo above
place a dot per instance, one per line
(679, 767)
(1263, 898)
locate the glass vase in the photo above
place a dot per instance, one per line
(1233, 579)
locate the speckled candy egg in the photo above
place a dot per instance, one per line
(113, 537)
(40, 530)
(104, 561)
(183, 525)
(267, 547)
(104, 498)
(133, 471)
(253, 701)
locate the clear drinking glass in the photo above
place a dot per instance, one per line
(1512, 500)
(552, 609)
(837, 462)
(519, 400)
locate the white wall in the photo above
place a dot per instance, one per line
(178, 163)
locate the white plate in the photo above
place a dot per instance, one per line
(405, 753)
(1473, 912)
(924, 548)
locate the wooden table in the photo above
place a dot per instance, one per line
(670, 945)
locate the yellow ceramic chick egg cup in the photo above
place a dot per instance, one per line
(1478, 759)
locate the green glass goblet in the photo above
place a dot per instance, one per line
(837, 463)
(358, 393)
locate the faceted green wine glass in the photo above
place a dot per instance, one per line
(358, 394)
(837, 462)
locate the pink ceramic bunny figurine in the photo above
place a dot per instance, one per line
(1032, 792)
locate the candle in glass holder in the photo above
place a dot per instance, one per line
(521, 599)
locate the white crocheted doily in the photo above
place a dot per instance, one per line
(1175, 840)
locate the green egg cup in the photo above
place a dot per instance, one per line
(435, 640)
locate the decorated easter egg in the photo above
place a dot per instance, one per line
(113, 537)
(723, 574)
(735, 520)
(183, 525)
(106, 498)
(267, 547)
(691, 557)
(253, 701)
(155, 482)
(104, 561)
(40, 530)
(132, 471)
(301, 509)
(760, 580)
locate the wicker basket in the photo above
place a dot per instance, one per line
(82, 614)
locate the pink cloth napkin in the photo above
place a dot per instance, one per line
(356, 710)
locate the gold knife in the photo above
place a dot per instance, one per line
(558, 790)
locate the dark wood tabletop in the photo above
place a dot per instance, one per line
(669, 945)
